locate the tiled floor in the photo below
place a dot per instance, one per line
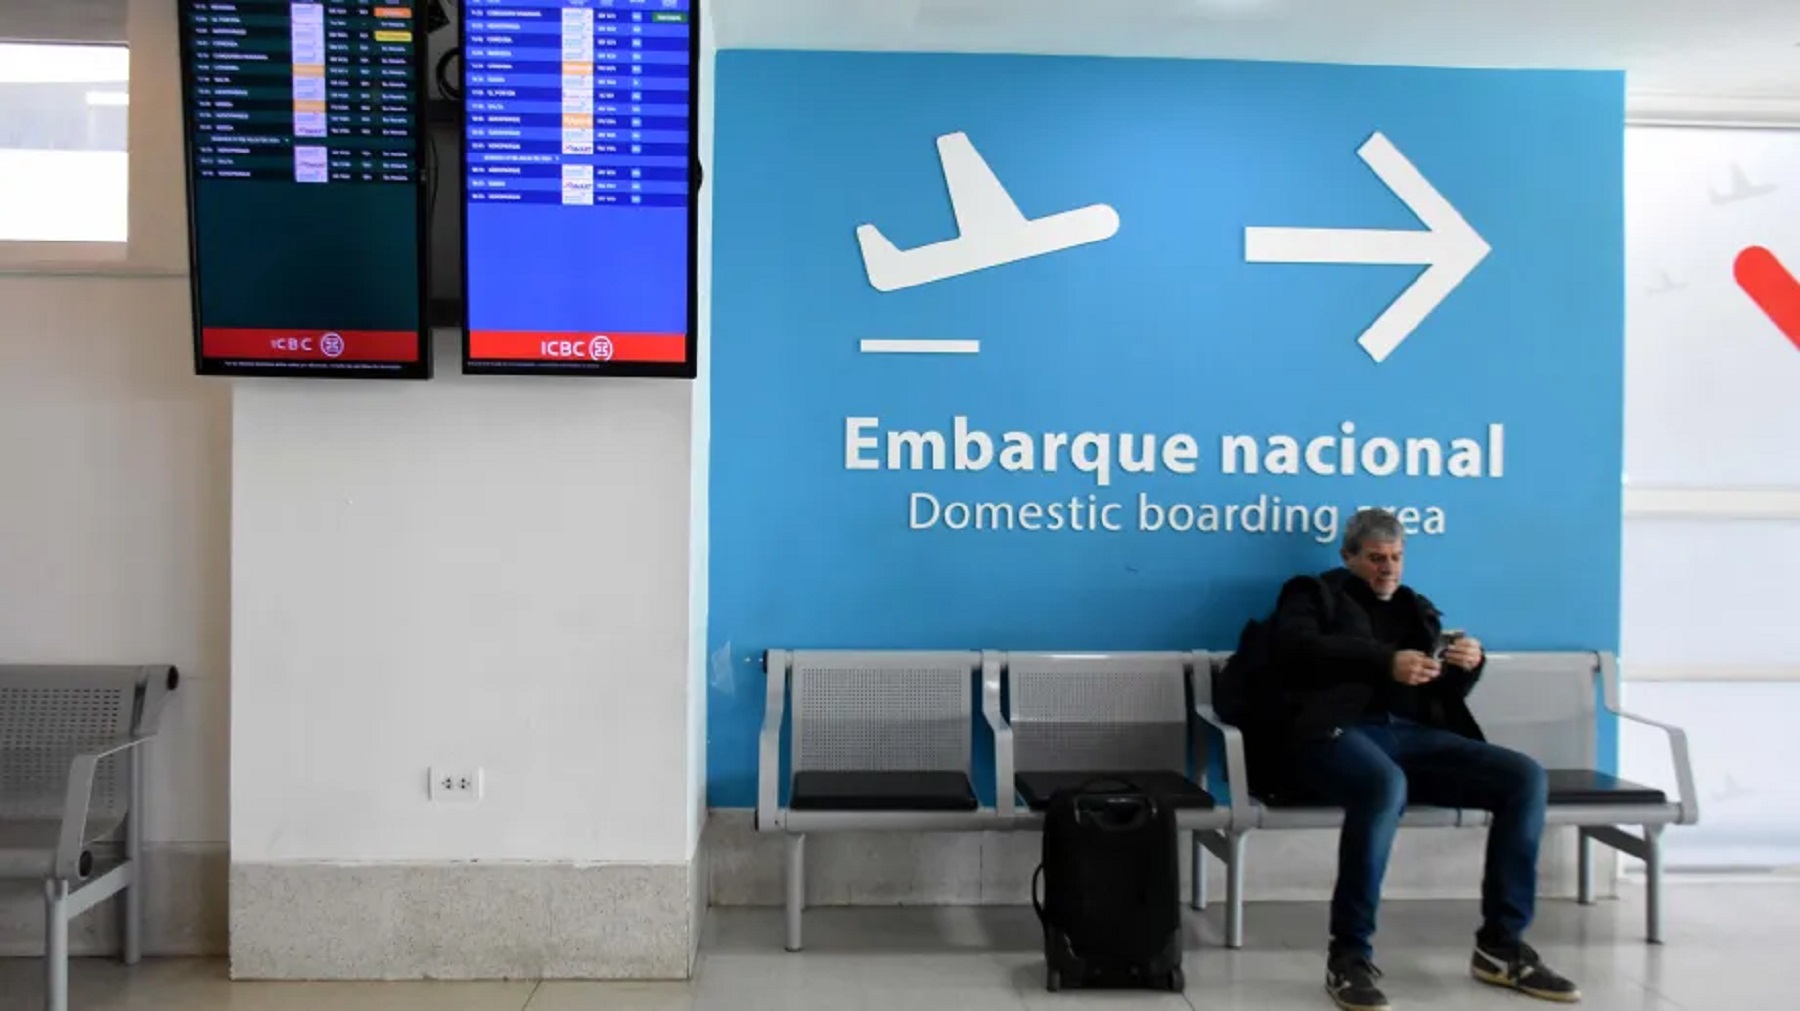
(1727, 946)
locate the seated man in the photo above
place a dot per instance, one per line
(1364, 714)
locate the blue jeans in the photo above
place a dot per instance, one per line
(1374, 769)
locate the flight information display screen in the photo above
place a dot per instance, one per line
(307, 213)
(579, 181)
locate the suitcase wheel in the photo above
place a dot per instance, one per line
(1053, 980)
(1177, 980)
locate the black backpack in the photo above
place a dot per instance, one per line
(1238, 685)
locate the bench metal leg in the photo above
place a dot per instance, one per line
(796, 888)
(131, 927)
(1198, 873)
(1584, 867)
(56, 946)
(1647, 848)
(1229, 847)
(1234, 890)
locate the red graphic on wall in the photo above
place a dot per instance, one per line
(1773, 287)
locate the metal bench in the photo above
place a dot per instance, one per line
(72, 794)
(1544, 705)
(877, 741)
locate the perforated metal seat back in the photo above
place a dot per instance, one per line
(1112, 712)
(883, 711)
(48, 715)
(1542, 704)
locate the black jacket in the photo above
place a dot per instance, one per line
(1327, 667)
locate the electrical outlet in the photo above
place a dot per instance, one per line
(455, 784)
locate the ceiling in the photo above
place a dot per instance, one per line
(1723, 49)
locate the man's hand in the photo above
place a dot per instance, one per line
(1412, 667)
(1464, 652)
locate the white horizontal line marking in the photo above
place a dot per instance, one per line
(873, 346)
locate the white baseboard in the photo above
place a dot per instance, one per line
(463, 921)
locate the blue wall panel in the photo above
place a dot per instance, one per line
(1173, 328)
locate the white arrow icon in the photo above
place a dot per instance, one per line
(1448, 247)
(990, 229)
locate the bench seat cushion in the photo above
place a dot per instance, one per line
(1586, 786)
(882, 791)
(1179, 791)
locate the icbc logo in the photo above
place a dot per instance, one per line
(332, 344)
(598, 348)
(302, 345)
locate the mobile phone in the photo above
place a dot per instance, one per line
(1445, 640)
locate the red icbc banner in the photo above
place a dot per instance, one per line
(311, 345)
(504, 345)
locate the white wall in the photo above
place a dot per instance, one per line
(486, 572)
(493, 572)
(114, 502)
(114, 512)
(477, 572)
(1712, 532)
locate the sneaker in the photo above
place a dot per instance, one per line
(1521, 969)
(1350, 980)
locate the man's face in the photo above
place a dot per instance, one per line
(1378, 563)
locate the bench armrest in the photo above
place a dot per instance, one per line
(1684, 769)
(1236, 774)
(1688, 798)
(768, 765)
(1005, 792)
(158, 680)
(70, 840)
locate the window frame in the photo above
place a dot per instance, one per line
(152, 27)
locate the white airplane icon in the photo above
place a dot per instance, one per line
(991, 230)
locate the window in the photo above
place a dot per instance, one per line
(63, 113)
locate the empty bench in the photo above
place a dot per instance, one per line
(72, 794)
(1541, 704)
(876, 741)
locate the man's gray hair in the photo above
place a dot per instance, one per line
(1372, 525)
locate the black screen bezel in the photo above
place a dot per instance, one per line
(688, 369)
(204, 366)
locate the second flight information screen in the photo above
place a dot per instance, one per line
(579, 185)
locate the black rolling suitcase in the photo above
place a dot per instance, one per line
(1111, 902)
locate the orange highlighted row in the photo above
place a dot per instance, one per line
(577, 69)
(393, 12)
(578, 121)
(308, 105)
(533, 346)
